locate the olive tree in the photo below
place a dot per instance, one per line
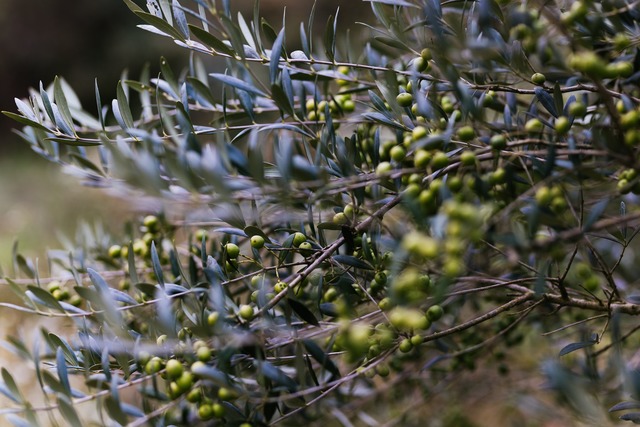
(403, 203)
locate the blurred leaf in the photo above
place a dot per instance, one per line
(68, 412)
(303, 312)
(61, 102)
(330, 37)
(631, 416)
(25, 266)
(352, 262)
(276, 52)
(596, 213)
(17, 421)
(43, 297)
(155, 262)
(25, 121)
(322, 358)
(237, 83)
(625, 405)
(329, 309)
(575, 346)
(546, 100)
(212, 41)
(276, 375)
(114, 410)
(69, 354)
(61, 368)
(180, 18)
(160, 24)
(393, 2)
(9, 388)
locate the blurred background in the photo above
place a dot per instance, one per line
(81, 41)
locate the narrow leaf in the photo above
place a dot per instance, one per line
(237, 83)
(575, 346)
(276, 52)
(303, 312)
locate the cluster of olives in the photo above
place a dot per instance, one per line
(60, 291)
(152, 231)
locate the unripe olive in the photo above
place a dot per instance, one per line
(405, 345)
(257, 241)
(589, 63)
(466, 133)
(630, 119)
(562, 125)
(306, 249)
(425, 54)
(382, 369)
(498, 176)
(543, 196)
(174, 368)
(298, 238)
(621, 41)
(115, 251)
(194, 396)
(435, 312)
(381, 277)
(279, 287)
(538, 78)
(151, 222)
(420, 64)
(340, 218)
(416, 340)
(404, 99)
(468, 158)
(153, 366)
(619, 69)
(632, 137)
(533, 126)
(233, 251)
(498, 142)
(577, 109)
(205, 412)
(385, 304)
(212, 318)
(226, 394)
(440, 160)
(185, 381)
(218, 410)
(161, 340)
(330, 295)
(75, 300)
(591, 283)
(203, 354)
(200, 234)
(418, 132)
(422, 158)
(406, 318)
(139, 247)
(348, 106)
(454, 184)
(245, 311)
(398, 153)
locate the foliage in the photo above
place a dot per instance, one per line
(413, 203)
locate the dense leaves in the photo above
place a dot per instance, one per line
(464, 175)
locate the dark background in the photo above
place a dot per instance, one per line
(82, 40)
